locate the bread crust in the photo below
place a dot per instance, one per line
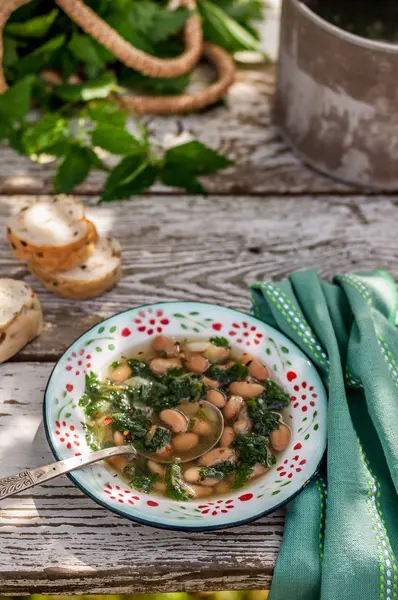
(54, 258)
(65, 285)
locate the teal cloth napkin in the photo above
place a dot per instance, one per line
(341, 534)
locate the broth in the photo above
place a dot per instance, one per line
(153, 398)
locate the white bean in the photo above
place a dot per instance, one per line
(197, 346)
(161, 343)
(245, 389)
(160, 366)
(217, 398)
(119, 438)
(159, 486)
(258, 370)
(233, 407)
(245, 358)
(222, 487)
(212, 383)
(192, 475)
(242, 426)
(196, 363)
(121, 373)
(201, 428)
(185, 441)
(280, 438)
(156, 468)
(217, 354)
(176, 420)
(228, 436)
(258, 470)
(200, 491)
(217, 456)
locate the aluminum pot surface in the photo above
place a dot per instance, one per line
(337, 99)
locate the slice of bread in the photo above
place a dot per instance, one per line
(52, 233)
(100, 272)
(20, 317)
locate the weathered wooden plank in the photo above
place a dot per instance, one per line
(53, 539)
(210, 249)
(243, 129)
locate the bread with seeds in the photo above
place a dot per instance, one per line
(92, 278)
(52, 234)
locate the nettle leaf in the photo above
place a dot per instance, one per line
(155, 22)
(107, 112)
(74, 169)
(14, 102)
(85, 49)
(49, 131)
(133, 175)
(221, 29)
(41, 57)
(185, 162)
(122, 25)
(196, 158)
(36, 27)
(100, 87)
(185, 180)
(113, 139)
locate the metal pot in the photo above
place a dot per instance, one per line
(337, 99)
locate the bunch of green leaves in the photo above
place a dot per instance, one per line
(236, 372)
(94, 399)
(139, 368)
(172, 389)
(136, 424)
(176, 488)
(80, 121)
(274, 397)
(218, 471)
(264, 421)
(228, 24)
(253, 449)
(160, 439)
(139, 478)
(220, 341)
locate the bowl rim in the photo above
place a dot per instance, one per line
(342, 34)
(146, 522)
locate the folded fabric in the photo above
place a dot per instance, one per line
(341, 534)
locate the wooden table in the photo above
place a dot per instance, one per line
(265, 217)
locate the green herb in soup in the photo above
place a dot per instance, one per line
(165, 400)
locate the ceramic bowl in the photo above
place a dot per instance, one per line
(100, 345)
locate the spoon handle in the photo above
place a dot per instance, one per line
(26, 479)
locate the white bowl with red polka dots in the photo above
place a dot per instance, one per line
(104, 343)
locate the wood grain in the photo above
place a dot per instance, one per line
(243, 129)
(53, 539)
(210, 249)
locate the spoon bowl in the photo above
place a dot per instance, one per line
(212, 414)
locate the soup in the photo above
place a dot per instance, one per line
(160, 399)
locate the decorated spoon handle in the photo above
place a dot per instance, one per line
(26, 479)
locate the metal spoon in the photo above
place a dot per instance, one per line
(9, 486)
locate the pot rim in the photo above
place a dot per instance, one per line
(342, 33)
